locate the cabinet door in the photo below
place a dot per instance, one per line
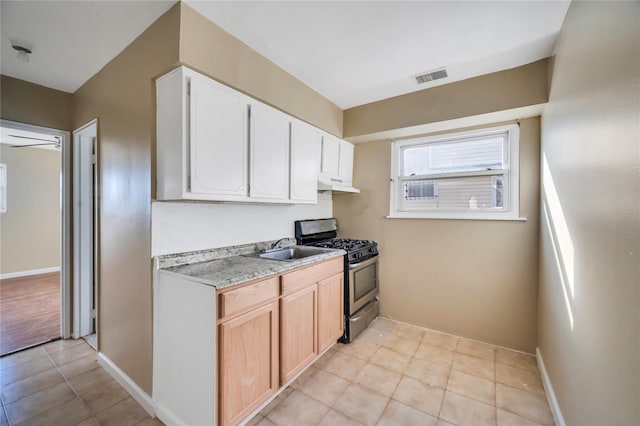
(330, 155)
(346, 161)
(330, 311)
(218, 140)
(297, 332)
(248, 362)
(269, 142)
(305, 162)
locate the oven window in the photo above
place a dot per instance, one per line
(364, 281)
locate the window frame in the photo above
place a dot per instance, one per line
(511, 172)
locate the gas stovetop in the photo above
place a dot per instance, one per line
(324, 232)
(357, 250)
(345, 244)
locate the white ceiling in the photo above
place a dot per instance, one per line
(352, 52)
(71, 40)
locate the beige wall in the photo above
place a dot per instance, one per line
(122, 97)
(476, 279)
(26, 102)
(30, 229)
(589, 300)
(515, 88)
(30, 103)
(205, 47)
(181, 227)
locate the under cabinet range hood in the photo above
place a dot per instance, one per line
(327, 183)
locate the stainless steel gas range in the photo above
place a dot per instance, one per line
(360, 271)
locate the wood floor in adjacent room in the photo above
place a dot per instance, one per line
(29, 311)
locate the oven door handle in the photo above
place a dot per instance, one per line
(363, 263)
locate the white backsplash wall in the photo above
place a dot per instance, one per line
(182, 226)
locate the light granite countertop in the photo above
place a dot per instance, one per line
(235, 269)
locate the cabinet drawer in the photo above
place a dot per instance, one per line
(239, 299)
(311, 275)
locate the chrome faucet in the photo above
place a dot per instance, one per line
(275, 245)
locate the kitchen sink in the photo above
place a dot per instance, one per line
(290, 253)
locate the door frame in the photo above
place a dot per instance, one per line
(65, 228)
(83, 293)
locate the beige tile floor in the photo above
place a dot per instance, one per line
(395, 374)
(61, 384)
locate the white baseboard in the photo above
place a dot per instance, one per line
(551, 396)
(129, 385)
(168, 417)
(28, 273)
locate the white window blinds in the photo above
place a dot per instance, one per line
(461, 173)
(459, 156)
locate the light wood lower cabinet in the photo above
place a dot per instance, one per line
(330, 311)
(221, 354)
(298, 325)
(311, 315)
(248, 362)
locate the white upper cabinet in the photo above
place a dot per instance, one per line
(305, 163)
(202, 145)
(269, 144)
(218, 140)
(172, 134)
(217, 144)
(330, 155)
(345, 163)
(337, 165)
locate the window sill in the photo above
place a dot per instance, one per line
(456, 216)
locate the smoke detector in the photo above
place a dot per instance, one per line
(23, 52)
(431, 75)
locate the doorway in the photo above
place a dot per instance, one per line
(34, 225)
(85, 225)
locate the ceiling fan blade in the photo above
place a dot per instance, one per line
(35, 144)
(37, 139)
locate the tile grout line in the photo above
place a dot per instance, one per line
(397, 384)
(444, 395)
(14, 366)
(474, 375)
(73, 389)
(495, 362)
(352, 382)
(9, 422)
(92, 415)
(317, 400)
(420, 342)
(454, 351)
(459, 337)
(66, 381)
(55, 366)
(495, 384)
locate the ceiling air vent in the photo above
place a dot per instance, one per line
(431, 75)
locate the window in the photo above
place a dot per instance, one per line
(470, 175)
